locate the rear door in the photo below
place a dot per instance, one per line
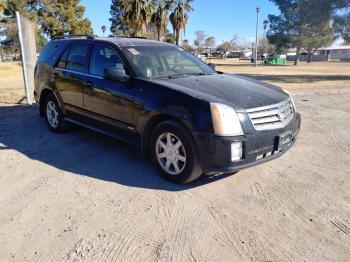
(71, 73)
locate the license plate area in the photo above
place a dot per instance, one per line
(284, 141)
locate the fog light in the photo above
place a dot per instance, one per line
(236, 151)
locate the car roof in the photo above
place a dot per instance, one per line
(125, 41)
(121, 41)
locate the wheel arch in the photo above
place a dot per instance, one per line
(43, 94)
(155, 120)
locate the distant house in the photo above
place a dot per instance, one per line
(336, 53)
(242, 54)
(322, 54)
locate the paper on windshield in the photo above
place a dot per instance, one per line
(133, 51)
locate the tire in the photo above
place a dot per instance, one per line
(177, 162)
(54, 115)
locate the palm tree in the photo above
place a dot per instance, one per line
(179, 17)
(137, 14)
(160, 17)
(103, 28)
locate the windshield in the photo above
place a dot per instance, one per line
(156, 62)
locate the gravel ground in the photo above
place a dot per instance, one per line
(80, 196)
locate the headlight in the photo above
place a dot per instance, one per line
(225, 120)
(291, 98)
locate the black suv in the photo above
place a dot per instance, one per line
(190, 118)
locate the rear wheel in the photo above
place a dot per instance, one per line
(174, 152)
(53, 114)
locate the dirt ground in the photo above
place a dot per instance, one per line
(305, 75)
(80, 196)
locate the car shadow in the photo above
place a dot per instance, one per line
(81, 151)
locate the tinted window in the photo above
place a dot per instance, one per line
(62, 62)
(103, 57)
(78, 58)
(51, 52)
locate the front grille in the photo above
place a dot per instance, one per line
(272, 116)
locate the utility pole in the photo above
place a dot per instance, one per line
(256, 35)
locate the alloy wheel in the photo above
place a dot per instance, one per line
(52, 114)
(171, 154)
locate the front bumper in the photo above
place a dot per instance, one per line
(262, 146)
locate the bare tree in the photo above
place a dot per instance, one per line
(199, 40)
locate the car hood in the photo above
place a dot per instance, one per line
(240, 92)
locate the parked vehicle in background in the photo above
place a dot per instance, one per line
(189, 118)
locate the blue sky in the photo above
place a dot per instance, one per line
(220, 18)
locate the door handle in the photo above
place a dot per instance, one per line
(53, 76)
(90, 86)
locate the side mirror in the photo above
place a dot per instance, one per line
(116, 74)
(212, 66)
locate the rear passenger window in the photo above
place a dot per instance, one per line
(50, 53)
(78, 58)
(103, 57)
(63, 60)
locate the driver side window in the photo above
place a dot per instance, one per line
(104, 57)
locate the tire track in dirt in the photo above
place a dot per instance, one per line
(341, 227)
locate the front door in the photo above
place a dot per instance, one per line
(105, 97)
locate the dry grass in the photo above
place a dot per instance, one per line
(305, 75)
(11, 82)
(309, 76)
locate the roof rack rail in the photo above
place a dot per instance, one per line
(126, 36)
(140, 37)
(72, 36)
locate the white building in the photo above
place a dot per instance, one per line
(336, 53)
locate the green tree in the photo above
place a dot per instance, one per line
(40, 40)
(103, 28)
(25, 7)
(324, 36)
(342, 25)
(119, 25)
(57, 17)
(54, 17)
(266, 25)
(299, 20)
(10, 42)
(3, 4)
(179, 17)
(159, 18)
(341, 17)
(338, 11)
(137, 14)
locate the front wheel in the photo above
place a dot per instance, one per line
(174, 152)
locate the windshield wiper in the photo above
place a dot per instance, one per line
(170, 77)
(183, 75)
(200, 74)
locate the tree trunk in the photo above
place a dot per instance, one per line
(158, 34)
(297, 56)
(177, 36)
(309, 57)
